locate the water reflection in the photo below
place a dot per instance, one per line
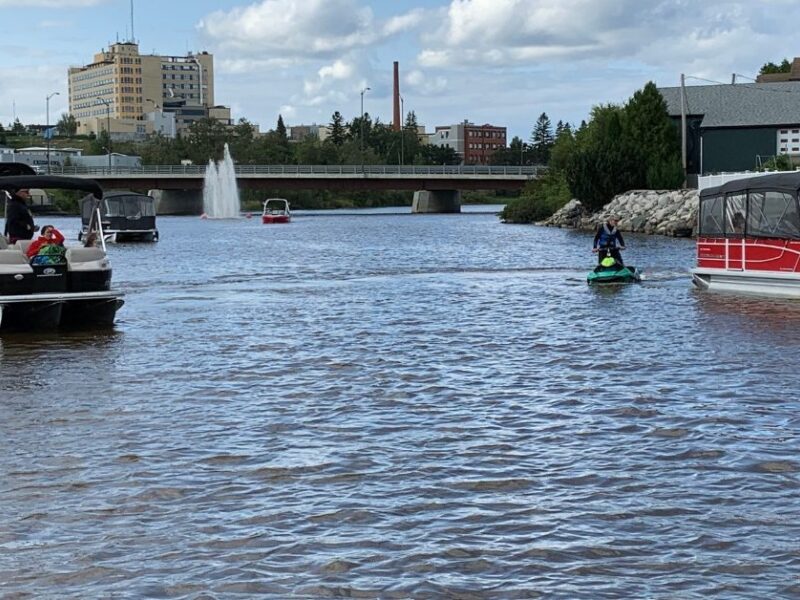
(750, 314)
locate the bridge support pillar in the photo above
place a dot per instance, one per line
(436, 201)
(178, 202)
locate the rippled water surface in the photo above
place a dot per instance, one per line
(402, 406)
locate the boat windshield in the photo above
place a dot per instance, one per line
(275, 206)
(132, 207)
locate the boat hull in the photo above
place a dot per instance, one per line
(756, 283)
(33, 312)
(608, 276)
(267, 219)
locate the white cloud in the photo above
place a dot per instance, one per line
(291, 27)
(334, 73)
(419, 83)
(664, 33)
(404, 22)
(303, 28)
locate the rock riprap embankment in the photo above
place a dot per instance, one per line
(669, 212)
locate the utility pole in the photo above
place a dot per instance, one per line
(108, 126)
(402, 132)
(366, 89)
(47, 134)
(683, 128)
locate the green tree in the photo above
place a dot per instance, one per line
(517, 153)
(280, 129)
(242, 144)
(539, 200)
(206, 141)
(17, 128)
(411, 121)
(67, 125)
(542, 139)
(438, 155)
(101, 143)
(771, 68)
(161, 150)
(337, 130)
(311, 151)
(603, 163)
(649, 129)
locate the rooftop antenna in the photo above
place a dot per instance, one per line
(133, 37)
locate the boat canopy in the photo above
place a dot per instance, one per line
(784, 181)
(764, 206)
(8, 169)
(121, 204)
(17, 182)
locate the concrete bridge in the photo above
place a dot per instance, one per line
(437, 188)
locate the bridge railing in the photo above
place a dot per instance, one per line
(301, 170)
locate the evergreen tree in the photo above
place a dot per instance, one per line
(648, 129)
(17, 128)
(280, 129)
(542, 139)
(337, 131)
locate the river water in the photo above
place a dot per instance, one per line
(379, 405)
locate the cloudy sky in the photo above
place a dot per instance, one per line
(502, 62)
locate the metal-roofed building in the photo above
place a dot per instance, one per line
(734, 127)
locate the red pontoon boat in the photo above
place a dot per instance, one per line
(748, 237)
(276, 210)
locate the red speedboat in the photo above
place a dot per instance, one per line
(749, 236)
(276, 210)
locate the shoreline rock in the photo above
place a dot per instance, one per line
(660, 212)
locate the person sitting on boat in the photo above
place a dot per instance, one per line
(738, 222)
(608, 241)
(48, 248)
(19, 219)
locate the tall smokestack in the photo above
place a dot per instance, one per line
(396, 97)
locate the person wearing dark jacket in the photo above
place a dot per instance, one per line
(608, 241)
(19, 220)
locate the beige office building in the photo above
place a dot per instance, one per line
(120, 87)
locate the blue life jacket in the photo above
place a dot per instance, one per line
(608, 237)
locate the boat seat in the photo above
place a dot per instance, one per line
(12, 256)
(78, 256)
(23, 245)
(14, 261)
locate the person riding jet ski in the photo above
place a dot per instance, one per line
(608, 241)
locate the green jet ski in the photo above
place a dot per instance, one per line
(609, 271)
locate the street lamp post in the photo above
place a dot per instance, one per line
(366, 89)
(195, 60)
(108, 126)
(402, 131)
(47, 128)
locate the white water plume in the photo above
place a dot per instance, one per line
(220, 192)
